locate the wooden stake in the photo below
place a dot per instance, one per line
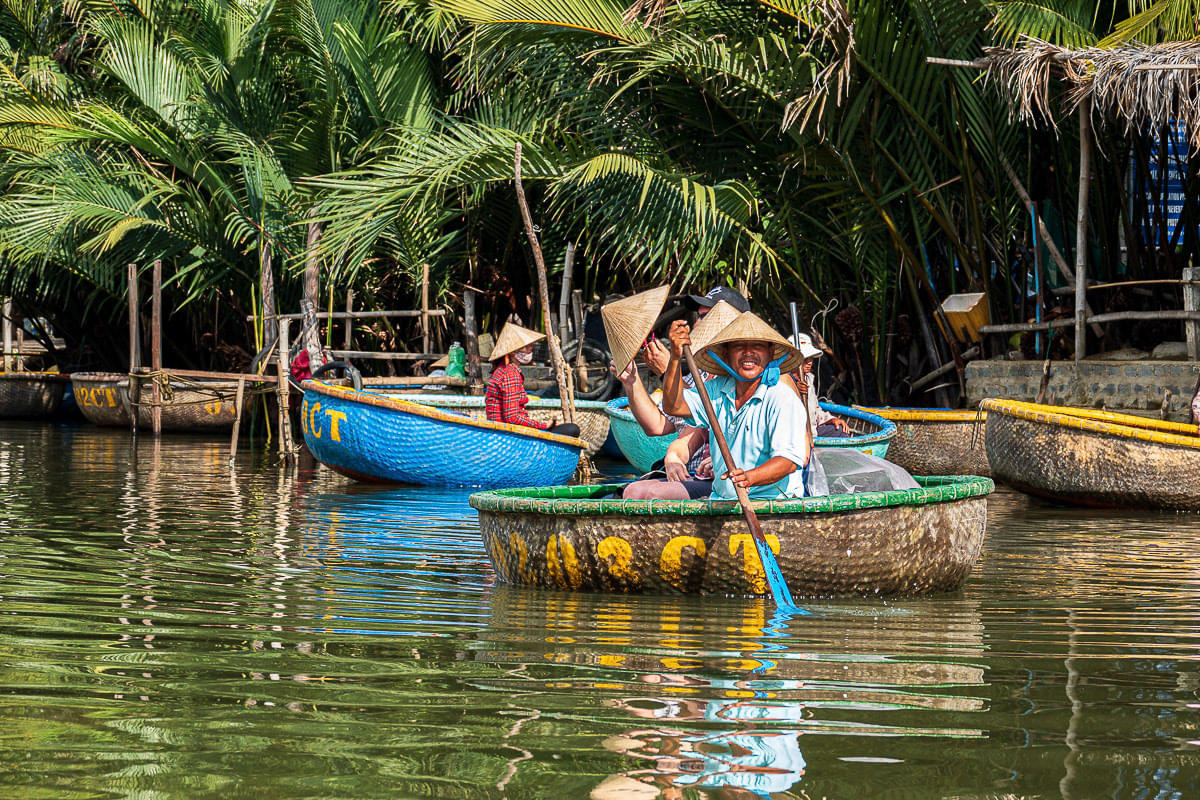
(156, 347)
(425, 308)
(237, 419)
(18, 359)
(312, 292)
(135, 333)
(474, 367)
(285, 419)
(349, 320)
(564, 295)
(1081, 220)
(8, 334)
(566, 396)
(266, 289)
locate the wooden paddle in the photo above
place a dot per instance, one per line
(779, 589)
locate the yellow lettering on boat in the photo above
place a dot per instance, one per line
(213, 408)
(670, 563)
(527, 575)
(335, 417)
(111, 394)
(560, 559)
(312, 421)
(611, 660)
(751, 564)
(619, 555)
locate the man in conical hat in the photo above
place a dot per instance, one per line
(763, 419)
(505, 399)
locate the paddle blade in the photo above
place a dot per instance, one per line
(779, 589)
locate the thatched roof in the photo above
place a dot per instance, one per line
(1127, 86)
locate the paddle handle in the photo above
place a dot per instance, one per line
(742, 495)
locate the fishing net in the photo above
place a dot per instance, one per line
(838, 470)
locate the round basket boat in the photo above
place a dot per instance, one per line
(190, 403)
(589, 414)
(935, 441)
(870, 433)
(31, 395)
(1094, 458)
(375, 437)
(908, 542)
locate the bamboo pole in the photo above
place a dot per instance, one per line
(135, 349)
(312, 292)
(155, 347)
(349, 319)
(1081, 221)
(564, 295)
(566, 395)
(266, 280)
(18, 359)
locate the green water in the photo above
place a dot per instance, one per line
(174, 629)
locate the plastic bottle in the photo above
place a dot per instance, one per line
(457, 368)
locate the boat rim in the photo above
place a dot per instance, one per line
(1093, 420)
(619, 408)
(925, 414)
(586, 500)
(12, 376)
(416, 409)
(471, 400)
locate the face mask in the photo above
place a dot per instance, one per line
(523, 358)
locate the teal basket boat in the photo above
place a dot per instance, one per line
(909, 542)
(871, 434)
(373, 437)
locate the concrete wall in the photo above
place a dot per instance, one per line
(1125, 385)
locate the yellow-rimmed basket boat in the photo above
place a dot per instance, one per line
(937, 441)
(31, 395)
(909, 542)
(192, 402)
(1093, 458)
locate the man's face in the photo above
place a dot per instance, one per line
(809, 363)
(748, 359)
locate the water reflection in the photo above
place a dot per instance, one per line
(177, 628)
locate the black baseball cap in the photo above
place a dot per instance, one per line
(716, 295)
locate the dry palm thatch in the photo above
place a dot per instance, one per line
(1131, 86)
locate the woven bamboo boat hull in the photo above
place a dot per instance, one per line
(893, 543)
(373, 437)
(31, 395)
(1094, 458)
(871, 434)
(589, 414)
(937, 442)
(196, 405)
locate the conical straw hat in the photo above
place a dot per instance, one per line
(628, 322)
(513, 338)
(749, 328)
(711, 324)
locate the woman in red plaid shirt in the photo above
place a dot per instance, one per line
(506, 397)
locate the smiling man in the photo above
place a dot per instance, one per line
(764, 421)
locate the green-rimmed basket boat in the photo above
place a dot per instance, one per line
(937, 441)
(1091, 457)
(910, 542)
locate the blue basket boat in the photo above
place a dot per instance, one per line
(871, 434)
(372, 437)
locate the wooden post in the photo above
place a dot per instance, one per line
(8, 334)
(312, 293)
(565, 394)
(19, 360)
(1081, 221)
(425, 308)
(135, 332)
(564, 296)
(266, 280)
(237, 419)
(349, 320)
(156, 347)
(1191, 302)
(285, 419)
(474, 367)
(581, 376)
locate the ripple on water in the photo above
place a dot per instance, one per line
(175, 629)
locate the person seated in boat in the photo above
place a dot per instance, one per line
(687, 464)
(820, 421)
(505, 399)
(762, 417)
